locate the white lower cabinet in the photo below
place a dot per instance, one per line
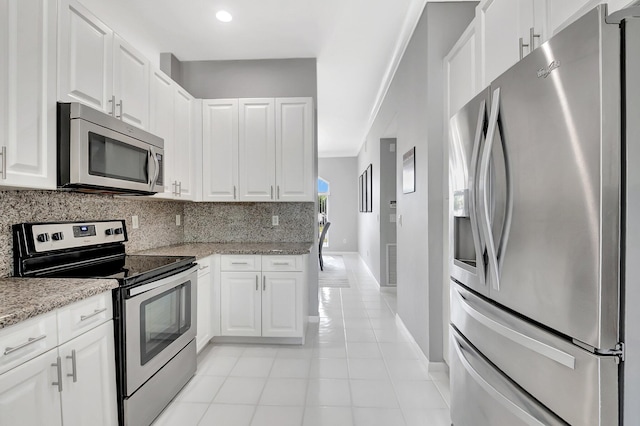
(71, 384)
(205, 304)
(267, 300)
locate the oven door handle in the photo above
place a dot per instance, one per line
(168, 280)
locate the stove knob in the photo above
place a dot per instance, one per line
(57, 236)
(43, 238)
(118, 231)
(109, 231)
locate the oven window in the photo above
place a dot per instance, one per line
(114, 159)
(164, 318)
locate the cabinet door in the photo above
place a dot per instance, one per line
(282, 304)
(89, 391)
(85, 57)
(294, 149)
(220, 150)
(130, 84)
(240, 303)
(184, 144)
(27, 397)
(257, 150)
(204, 311)
(27, 93)
(161, 123)
(502, 24)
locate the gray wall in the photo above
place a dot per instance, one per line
(413, 107)
(341, 173)
(388, 178)
(265, 78)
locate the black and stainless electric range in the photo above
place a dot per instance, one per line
(154, 306)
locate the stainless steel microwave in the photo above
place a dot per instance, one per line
(101, 154)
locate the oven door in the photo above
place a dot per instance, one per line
(100, 157)
(160, 321)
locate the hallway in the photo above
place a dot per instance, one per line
(358, 367)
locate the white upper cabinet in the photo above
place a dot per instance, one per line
(220, 150)
(294, 149)
(28, 94)
(130, 84)
(507, 30)
(563, 12)
(161, 123)
(184, 138)
(99, 69)
(257, 146)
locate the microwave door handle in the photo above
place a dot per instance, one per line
(473, 211)
(156, 172)
(483, 190)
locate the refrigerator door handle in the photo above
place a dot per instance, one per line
(473, 211)
(496, 394)
(521, 339)
(483, 190)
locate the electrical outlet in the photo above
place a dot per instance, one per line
(178, 220)
(275, 221)
(134, 222)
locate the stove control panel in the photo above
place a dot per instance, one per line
(57, 236)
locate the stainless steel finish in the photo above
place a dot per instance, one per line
(66, 228)
(257, 283)
(153, 151)
(165, 282)
(277, 192)
(148, 402)
(566, 182)
(461, 203)
(203, 267)
(179, 188)
(239, 263)
(234, 192)
(95, 312)
(532, 39)
(3, 172)
(577, 385)
(173, 187)
(112, 102)
(483, 396)
(138, 374)
(521, 47)
(119, 104)
(281, 263)
(58, 365)
(630, 312)
(74, 367)
(9, 350)
(264, 282)
(272, 192)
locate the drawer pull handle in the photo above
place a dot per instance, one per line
(281, 263)
(58, 365)
(239, 263)
(203, 267)
(96, 312)
(30, 341)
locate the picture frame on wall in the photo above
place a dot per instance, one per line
(369, 184)
(360, 193)
(409, 171)
(366, 193)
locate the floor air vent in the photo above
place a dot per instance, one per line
(392, 264)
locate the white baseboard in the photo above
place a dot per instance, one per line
(338, 253)
(431, 366)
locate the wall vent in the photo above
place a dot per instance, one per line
(392, 264)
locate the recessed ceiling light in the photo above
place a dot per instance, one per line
(224, 16)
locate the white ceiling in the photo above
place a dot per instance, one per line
(357, 44)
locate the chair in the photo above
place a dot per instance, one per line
(320, 243)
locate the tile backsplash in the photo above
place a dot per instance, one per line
(202, 222)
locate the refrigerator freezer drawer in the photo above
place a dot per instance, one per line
(483, 396)
(577, 385)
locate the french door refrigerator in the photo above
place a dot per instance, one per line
(544, 172)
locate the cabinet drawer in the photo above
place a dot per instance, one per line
(240, 262)
(27, 340)
(281, 263)
(204, 266)
(82, 316)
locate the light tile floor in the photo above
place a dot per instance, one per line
(358, 367)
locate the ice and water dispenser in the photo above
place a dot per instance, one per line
(463, 248)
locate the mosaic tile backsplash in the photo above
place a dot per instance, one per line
(202, 222)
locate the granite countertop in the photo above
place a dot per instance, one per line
(24, 298)
(200, 250)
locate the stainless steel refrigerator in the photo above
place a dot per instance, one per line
(544, 173)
